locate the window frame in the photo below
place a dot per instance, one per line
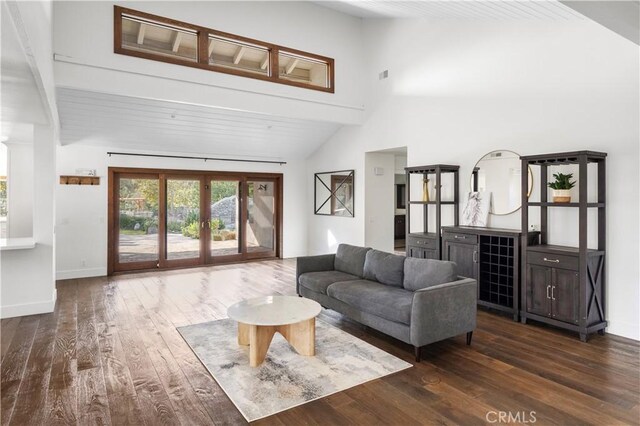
(202, 59)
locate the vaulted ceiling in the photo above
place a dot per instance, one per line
(135, 123)
(449, 9)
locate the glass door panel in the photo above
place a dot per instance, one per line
(183, 223)
(137, 236)
(224, 218)
(260, 223)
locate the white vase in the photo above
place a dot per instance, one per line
(561, 195)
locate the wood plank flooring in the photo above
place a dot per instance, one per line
(111, 354)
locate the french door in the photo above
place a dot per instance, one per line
(171, 218)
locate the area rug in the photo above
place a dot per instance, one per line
(286, 379)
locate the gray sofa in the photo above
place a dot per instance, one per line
(418, 301)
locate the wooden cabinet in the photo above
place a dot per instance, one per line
(539, 297)
(574, 277)
(553, 292)
(421, 242)
(422, 246)
(565, 294)
(491, 256)
(465, 255)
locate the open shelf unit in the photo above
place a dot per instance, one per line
(426, 244)
(565, 286)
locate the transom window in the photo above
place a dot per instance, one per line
(162, 39)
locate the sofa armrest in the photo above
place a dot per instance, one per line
(443, 311)
(323, 262)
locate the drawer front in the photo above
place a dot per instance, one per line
(553, 260)
(421, 242)
(460, 238)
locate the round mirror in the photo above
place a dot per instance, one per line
(499, 173)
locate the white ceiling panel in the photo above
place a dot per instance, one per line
(456, 9)
(126, 122)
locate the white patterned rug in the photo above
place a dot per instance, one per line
(286, 379)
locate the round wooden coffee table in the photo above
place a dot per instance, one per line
(260, 318)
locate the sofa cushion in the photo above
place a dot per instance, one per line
(390, 303)
(319, 281)
(386, 268)
(350, 259)
(423, 273)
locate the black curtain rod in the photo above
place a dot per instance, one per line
(196, 158)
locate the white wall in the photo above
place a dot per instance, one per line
(27, 276)
(530, 87)
(82, 210)
(20, 186)
(379, 201)
(83, 44)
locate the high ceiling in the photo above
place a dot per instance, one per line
(453, 9)
(133, 123)
(21, 105)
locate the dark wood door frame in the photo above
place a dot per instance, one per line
(205, 176)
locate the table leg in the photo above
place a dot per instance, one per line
(301, 335)
(243, 334)
(259, 340)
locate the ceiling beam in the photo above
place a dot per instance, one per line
(265, 62)
(141, 31)
(239, 54)
(176, 42)
(292, 66)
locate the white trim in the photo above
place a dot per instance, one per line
(29, 308)
(625, 329)
(81, 273)
(75, 61)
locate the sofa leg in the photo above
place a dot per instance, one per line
(469, 335)
(418, 352)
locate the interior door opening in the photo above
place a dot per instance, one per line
(174, 218)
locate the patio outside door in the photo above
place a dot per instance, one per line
(169, 218)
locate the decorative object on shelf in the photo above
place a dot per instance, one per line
(565, 286)
(333, 193)
(79, 180)
(476, 210)
(562, 187)
(499, 172)
(422, 243)
(425, 190)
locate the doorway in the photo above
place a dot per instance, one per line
(163, 219)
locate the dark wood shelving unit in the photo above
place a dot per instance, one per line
(565, 286)
(492, 256)
(426, 244)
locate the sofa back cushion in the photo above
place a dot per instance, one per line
(385, 268)
(423, 273)
(350, 259)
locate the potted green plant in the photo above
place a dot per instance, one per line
(562, 187)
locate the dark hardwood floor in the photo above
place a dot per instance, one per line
(110, 354)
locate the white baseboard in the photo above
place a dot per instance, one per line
(29, 308)
(81, 273)
(624, 329)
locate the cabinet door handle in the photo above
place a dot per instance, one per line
(552, 291)
(548, 287)
(551, 260)
(462, 237)
(475, 256)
